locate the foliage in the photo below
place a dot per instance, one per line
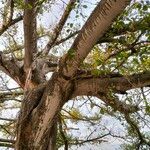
(125, 49)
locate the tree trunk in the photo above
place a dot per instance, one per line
(41, 105)
(37, 127)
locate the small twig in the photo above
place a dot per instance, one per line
(7, 140)
(14, 21)
(7, 119)
(66, 38)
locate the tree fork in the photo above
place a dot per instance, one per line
(37, 123)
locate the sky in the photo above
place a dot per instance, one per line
(49, 22)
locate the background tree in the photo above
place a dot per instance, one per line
(99, 68)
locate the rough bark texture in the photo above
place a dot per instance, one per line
(38, 118)
(42, 103)
(95, 27)
(37, 123)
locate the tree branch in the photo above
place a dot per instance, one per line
(6, 140)
(6, 119)
(9, 24)
(30, 35)
(90, 85)
(136, 129)
(66, 38)
(59, 26)
(104, 88)
(98, 139)
(117, 105)
(95, 27)
(63, 134)
(6, 145)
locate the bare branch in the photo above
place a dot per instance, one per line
(9, 24)
(16, 73)
(59, 26)
(136, 129)
(6, 145)
(66, 38)
(6, 119)
(99, 139)
(6, 140)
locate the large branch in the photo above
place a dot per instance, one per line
(104, 87)
(30, 35)
(103, 84)
(95, 27)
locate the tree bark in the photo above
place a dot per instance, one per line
(42, 104)
(38, 117)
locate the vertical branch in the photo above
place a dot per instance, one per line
(59, 26)
(30, 41)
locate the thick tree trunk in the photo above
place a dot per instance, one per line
(37, 127)
(40, 108)
(25, 141)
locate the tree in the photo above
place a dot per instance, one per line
(108, 57)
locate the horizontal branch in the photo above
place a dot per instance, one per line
(119, 84)
(98, 139)
(7, 119)
(7, 140)
(10, 94)
(6, 145)
(105, 86)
